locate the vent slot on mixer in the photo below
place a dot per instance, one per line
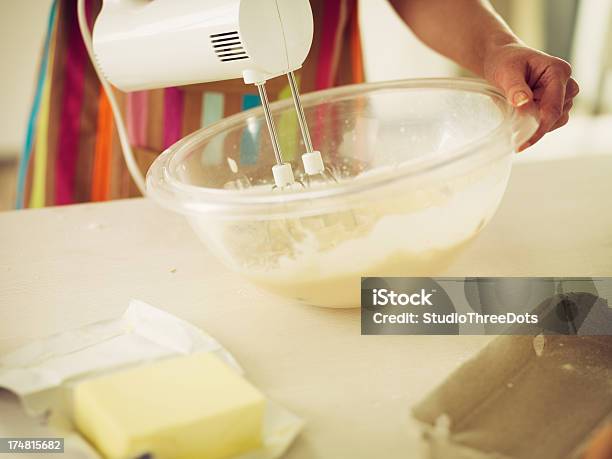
(228, 46)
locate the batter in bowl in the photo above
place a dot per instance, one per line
(320, 260)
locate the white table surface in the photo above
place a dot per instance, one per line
(64, 267)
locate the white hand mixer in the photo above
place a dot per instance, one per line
(144, 44)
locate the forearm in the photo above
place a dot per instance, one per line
(462, 30)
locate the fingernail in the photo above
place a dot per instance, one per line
(520, 99)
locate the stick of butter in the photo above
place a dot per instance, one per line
(186, 407)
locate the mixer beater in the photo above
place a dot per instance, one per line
(311, 159)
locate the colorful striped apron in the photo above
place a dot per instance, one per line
(72, 153)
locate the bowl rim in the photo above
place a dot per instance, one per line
(161, 179)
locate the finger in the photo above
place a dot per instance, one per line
(524, 146)
(551, 103)
(535, 137)
(561, 121)
(569, 102)
(551, 106)
(572, 89)
(601, 445)
(512, 82)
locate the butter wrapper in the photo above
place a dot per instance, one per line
(42, 373)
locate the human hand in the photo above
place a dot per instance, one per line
(528, 76)
(601, 445)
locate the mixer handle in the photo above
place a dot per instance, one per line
(525, 123)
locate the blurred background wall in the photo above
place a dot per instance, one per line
(577, 30)
(22, 28)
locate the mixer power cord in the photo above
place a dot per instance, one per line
(126, 148)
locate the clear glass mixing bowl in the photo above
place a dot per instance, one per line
(420, 168)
